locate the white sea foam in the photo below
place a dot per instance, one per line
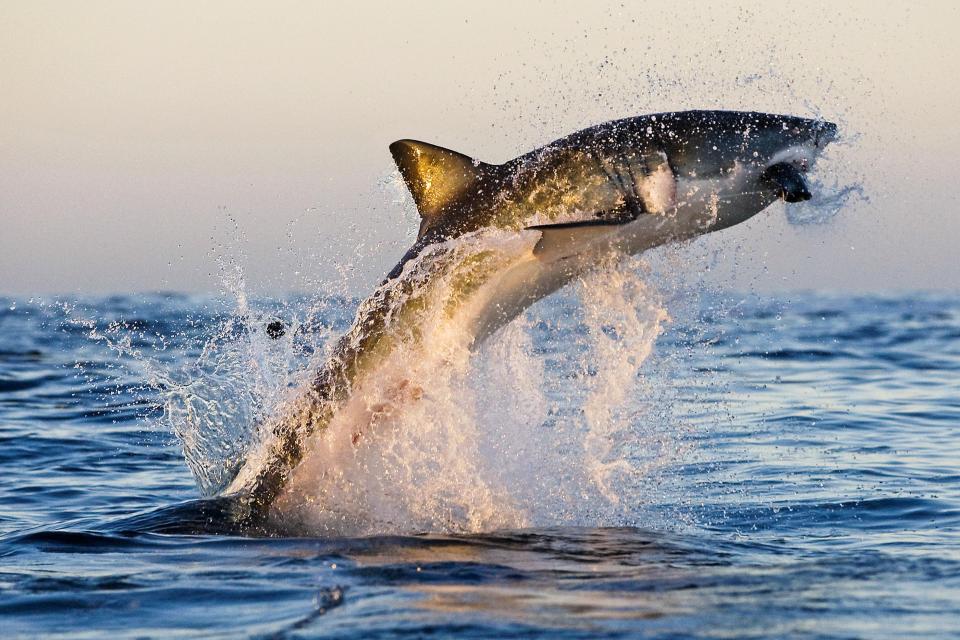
(439, 437)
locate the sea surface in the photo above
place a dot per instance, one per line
(780, 466)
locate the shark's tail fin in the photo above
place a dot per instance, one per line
(436, 176)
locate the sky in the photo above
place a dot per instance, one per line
(150, 146)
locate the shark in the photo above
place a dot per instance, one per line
(612, 190)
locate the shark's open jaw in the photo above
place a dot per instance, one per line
(615, 189)
(788, 180)
(787, 169)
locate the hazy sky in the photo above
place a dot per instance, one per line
(145, 144)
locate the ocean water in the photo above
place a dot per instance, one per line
(624, 461)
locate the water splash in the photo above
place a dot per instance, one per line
(835, 186)
(625, 317)
(437, 438)
(551, 422)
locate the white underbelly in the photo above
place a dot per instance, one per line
(701, 206)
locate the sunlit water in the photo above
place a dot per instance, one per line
(775, 467)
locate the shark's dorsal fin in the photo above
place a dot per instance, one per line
(435, 176)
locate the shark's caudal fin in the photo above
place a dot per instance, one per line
(435, 176)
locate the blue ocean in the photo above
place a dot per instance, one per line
(626, 460)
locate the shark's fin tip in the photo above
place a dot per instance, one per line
(435, 176)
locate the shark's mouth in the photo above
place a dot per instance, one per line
(789, 182)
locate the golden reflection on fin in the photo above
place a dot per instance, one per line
(435, 176)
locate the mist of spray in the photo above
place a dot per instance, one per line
(546, 424)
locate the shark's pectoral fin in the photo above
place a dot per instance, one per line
(788, 180)
(565, 240)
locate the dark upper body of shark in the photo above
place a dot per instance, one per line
(617, 188)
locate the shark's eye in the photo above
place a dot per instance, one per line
(803, 164)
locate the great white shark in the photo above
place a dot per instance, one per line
(614, 189)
